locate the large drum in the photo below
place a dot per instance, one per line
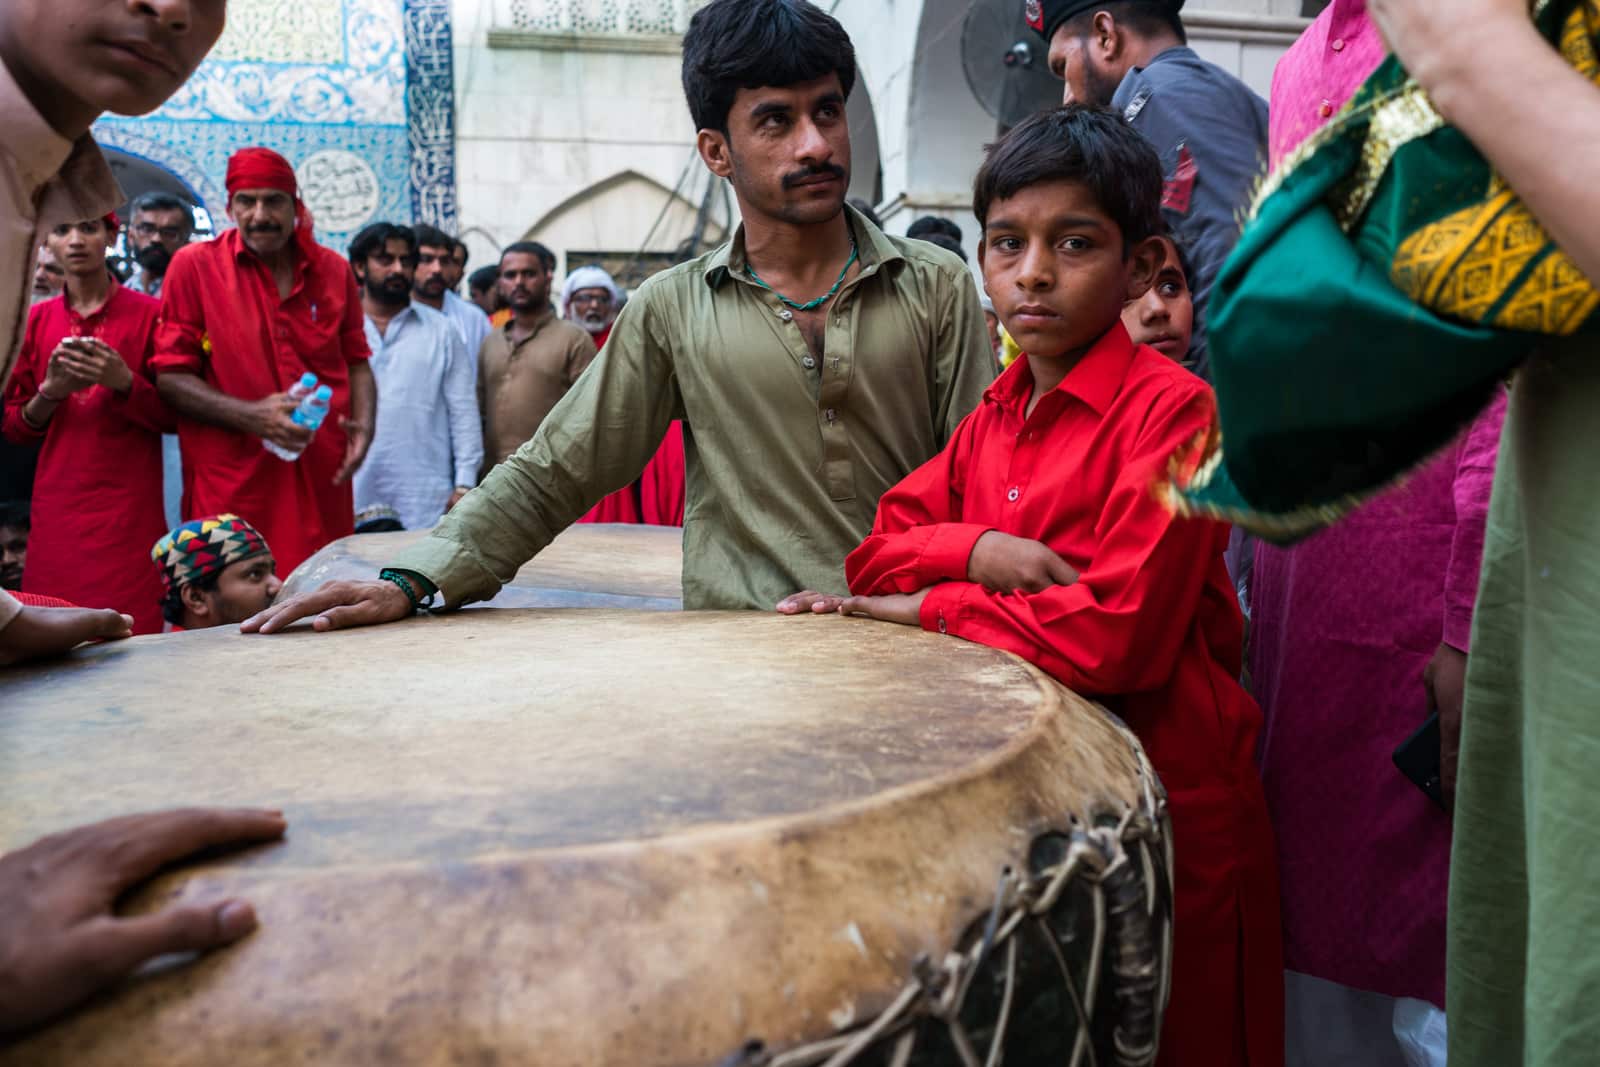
(586, 566)
(591, 837)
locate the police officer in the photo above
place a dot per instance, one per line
(1209, 128)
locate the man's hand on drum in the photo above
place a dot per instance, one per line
(39, 632)
(59, 939)
(1002, 563)
(335, 606)
(810, 603)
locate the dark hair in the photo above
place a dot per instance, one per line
(944, 241)
(1078, 143)
(1185, 263)
(16, 513)
(172, 603)
(461, 246)
(433, 237)
(375, 236)
(746, 44)
(530, 248)
(483, 278)
(159, 201)
(1144, 17)
(931, 224)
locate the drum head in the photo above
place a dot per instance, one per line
(564, 837)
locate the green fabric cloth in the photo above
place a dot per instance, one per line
(1523, 976)
(1384, 285)
(786, 455)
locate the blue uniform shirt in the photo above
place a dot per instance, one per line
(1210, 130)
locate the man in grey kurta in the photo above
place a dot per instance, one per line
(1208, 127)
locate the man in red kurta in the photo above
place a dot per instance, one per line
(242, 318)
(97, 499)
(1037, 531)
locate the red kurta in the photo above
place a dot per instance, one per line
(656, 499)
(1151, 629)
(97, 504)
(219, 292)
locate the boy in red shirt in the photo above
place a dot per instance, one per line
(1037, 531)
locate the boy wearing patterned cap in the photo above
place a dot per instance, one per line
(217, 571)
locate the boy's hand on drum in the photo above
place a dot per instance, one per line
(810, 603)
(903, 608)
(1002, 563)
(39, 632)
(59, 939)
(335, 606)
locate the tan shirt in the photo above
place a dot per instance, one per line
(518, 384)
(44, 180)
(786, 454)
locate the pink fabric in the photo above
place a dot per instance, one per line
(1343, 625)
(1320, 73)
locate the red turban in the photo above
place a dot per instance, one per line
(262, 168)
(112, 224)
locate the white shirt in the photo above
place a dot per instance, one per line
(470, 322)
(45, 179)
(429, 437)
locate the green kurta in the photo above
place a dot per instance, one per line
(786, 454)
(1524, 949)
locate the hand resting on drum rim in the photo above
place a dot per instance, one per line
(999, 562)
(334, 606)
(59, 940)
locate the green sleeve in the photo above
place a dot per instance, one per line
(963, 361)
(595, 441)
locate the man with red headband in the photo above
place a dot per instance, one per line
(79, 388)
(242, 318)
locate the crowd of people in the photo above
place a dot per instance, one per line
(842, 421)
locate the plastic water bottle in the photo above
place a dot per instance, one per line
(312, 410)
(297, 392)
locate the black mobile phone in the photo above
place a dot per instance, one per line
(1419, 759)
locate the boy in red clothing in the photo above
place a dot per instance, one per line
(1037, 531)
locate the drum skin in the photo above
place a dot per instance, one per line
(591, 565)
(569, 837)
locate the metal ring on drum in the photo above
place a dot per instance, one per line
(577, 837)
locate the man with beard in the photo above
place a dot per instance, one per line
(435, 287)
(49, 276)
(160, 225)
(526, 366)
(814, 360)
(1209, 129)
(81, 390)
(591, 299)
(429, 441)
(243, 317)
(216, 571)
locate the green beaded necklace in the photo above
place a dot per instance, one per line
(819, 301)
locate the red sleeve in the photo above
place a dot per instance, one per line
(353, 330)
(25, 377)
(1473, 483)
(181, 325)
(1121, 627)
(143, 406)
(916, 540)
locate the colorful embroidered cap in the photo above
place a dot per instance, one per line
(203, 547)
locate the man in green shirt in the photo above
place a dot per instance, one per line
(814, 360)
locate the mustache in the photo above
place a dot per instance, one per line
(825, 170)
